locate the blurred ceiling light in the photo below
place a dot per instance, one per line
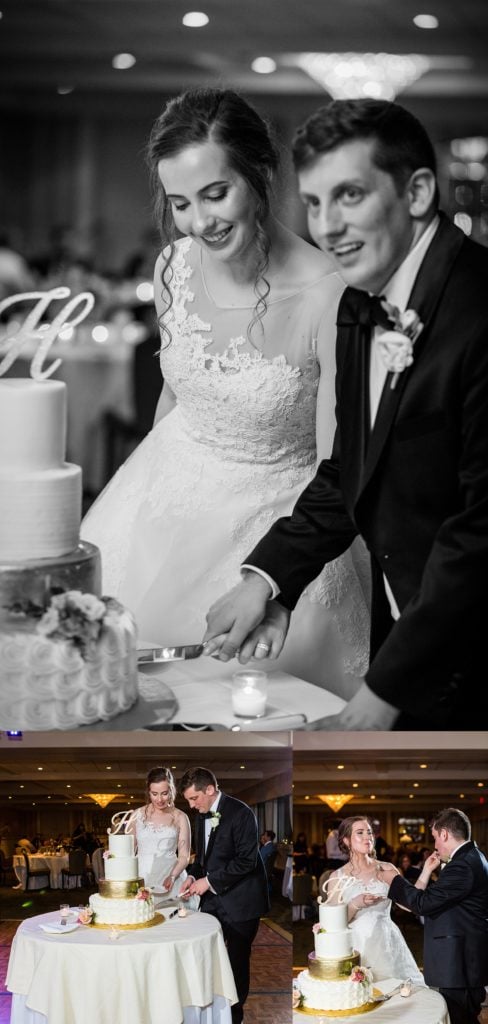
(64, 90)
(123, 61)
(264, 65)
(195, 19)
(426, 21)
(463, 221)
(335, 800)
(145, 291)
(355, 75)
(472, 148)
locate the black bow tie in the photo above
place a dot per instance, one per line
(208, 814)
(371, 312)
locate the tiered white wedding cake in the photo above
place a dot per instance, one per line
(334, 980)
(67, 657)
(122, 899)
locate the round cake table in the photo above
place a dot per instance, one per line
(171, 972)
(423, 1006)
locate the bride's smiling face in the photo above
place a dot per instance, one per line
(160, 795)
(209, 200)
(362, 838)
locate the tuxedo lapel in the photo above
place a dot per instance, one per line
(211, 838)
(425, 297)
(353, 355)
(200, 839)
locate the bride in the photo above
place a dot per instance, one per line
(247, 316)
(162, 834)
(363, 884)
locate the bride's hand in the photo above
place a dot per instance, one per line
(168, 883)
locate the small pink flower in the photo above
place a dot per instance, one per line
(143, 894)
(317, 928)
(296, 997)
(85, 916)
(107, 855)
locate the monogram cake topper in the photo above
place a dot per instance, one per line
(45, 333)
(120, 821)
(333, 887)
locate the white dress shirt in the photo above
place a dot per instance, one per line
(207, 821)
(396, 292)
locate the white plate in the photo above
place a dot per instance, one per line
(59, 929)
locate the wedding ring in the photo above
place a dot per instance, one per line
(264, 647)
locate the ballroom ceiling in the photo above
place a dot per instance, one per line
(69, 44)
(44, 768)
(388, 773)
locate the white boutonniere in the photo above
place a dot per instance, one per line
(215, 819)
(396, 346)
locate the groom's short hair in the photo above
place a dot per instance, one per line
(200, 778)
(455, 821)
(401, 143)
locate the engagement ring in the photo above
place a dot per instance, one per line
(264, 647)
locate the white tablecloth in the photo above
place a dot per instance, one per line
(287, 886)
(424, 1006)
(203, 688)
(54, 863)
(171, 972)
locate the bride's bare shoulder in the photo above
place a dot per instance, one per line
(387, 870)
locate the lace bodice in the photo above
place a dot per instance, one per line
(156, 840)
(247, 404)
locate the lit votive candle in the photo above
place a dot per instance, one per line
(182, 912)
(249, 693)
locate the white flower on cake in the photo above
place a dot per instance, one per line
(77, 617)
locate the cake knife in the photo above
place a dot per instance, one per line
(156, 655)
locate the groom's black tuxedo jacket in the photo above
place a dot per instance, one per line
(455, 912)
(415, 487)
(232, 862)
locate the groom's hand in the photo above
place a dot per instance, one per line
(364, 711)
(199, 887)
(243, 619)
(185, 888)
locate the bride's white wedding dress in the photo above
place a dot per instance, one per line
(157, 853)
(377, 938)
(235, 452)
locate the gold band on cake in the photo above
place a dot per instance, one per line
(157, 919)
(330, 970)
(117, 890)
(365, 1008)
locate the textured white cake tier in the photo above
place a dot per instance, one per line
(39, 513)
(40, 494)
(121, 869)
(48, 684)
(121, 911)
(333, 945)
(32, 583)
(331, 995)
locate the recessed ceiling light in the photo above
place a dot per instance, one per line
(123, 61)
(195, 19)
(64, 90)
(355, 785)
(426, 21)
(307, 798)
(264, 65)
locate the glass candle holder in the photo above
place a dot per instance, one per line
(249, 693)
(64, 910)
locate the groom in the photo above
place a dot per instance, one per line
(228, 873)
(455, 912)
(409, 466)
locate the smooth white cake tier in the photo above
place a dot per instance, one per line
(31, 583)
(333, 945)
(40, 512)
(130, 911)
(121, 844)
(332, 995)
(121, 869)
(32, 424)
(49, 684)
(333, 918)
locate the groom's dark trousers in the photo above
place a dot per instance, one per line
(236, 873)
(455, 912)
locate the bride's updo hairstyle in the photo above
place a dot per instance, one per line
(344, 832)
(223, 117)
(161, 775)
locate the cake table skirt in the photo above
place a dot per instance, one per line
(218, 1013)
(174, 972)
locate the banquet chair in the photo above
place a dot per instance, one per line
(98, 866)
(302, 895)
(6, 870)
(76, 867)
(35, 872)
